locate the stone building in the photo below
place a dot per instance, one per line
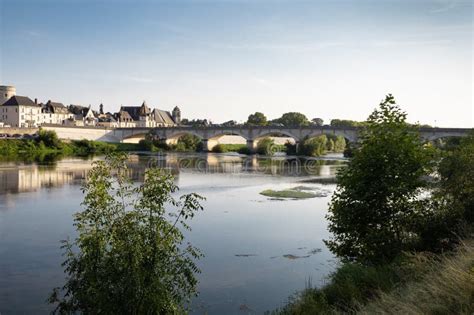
(20, 111)
(6, 92)
(144, 116)
(54, 113)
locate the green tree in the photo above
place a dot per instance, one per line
(457, 177)
(129, 257)
(188, 142)
(49, 138)
(317, 121)
(378, 194)
(266, 146)
(339, 144)
(315, 146)
(293, 119)
(345, 123)
(257, 119)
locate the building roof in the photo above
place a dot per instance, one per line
(124, 115)
(162, 117)
(136, 111)
(17, 100)
(55, 107)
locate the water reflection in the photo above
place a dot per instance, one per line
(258, 251)
(21, 177)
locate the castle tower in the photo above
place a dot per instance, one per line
(6, 92)
(177, 115)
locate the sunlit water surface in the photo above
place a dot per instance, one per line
(258, 251)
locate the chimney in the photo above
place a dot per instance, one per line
(36, 101)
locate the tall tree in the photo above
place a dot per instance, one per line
(317, 121)
(378, 194)
(257, 119)
(128, 257)
(293, 119)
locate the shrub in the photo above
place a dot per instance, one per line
(219, 148)
(314, 146)
(266, 146)
(128, 257)
(49, 138)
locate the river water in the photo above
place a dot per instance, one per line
(258, 250)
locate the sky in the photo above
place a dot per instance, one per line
(223, 60)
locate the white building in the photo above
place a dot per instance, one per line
(20, 111)
(54, 113)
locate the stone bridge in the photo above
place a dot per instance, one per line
(210, 135)
(252, 134)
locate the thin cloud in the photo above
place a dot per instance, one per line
(447, 5)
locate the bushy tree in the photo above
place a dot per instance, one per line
(293, 119)
(257, 119)
(129, 256)
(266, 146)
(189, 142)
(457, 176)
(345, 123)
(315, 146)
(317, 121)
(378, 194)
(49, 138)
(339, 144)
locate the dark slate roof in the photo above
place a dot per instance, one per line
(55, 107)
(162, 117)
(124, 115)
(78, 110)
(136, 111)
(19, 100)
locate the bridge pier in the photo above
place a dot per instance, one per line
(252, 145)
(205, 145)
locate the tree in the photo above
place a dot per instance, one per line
(315, 146)
(378, 194)
(257, 119)
(49, 138)
(339, 144)
(457, 176)
(128, 257)
(293, 119)
(345, 123)
(317, 121)
(188, 142)
(266, 146)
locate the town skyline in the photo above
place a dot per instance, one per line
(114, 109)
(325, 59)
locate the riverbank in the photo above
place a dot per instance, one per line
(416, 284)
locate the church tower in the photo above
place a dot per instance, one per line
(177, 115)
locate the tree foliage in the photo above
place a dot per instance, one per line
(293, 119)
(346, 123)
(378, 194)
(266, 146)
(317, 121)
(129, 256)
(257, 119)
(457, 177)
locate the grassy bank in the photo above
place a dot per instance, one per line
(446, 288)
(418, 284)
(47, 145)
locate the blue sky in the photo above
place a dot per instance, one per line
(223, 60)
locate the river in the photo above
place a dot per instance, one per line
(258, 250)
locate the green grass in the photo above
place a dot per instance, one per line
(120, 146)
(288, 193)
(223, 148)
(447, 288)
